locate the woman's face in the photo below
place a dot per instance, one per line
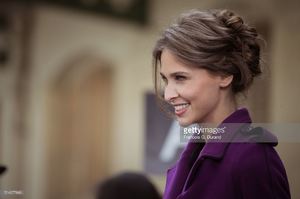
(193, 92)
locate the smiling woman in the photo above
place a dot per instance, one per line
(190, 89)
(205, 59)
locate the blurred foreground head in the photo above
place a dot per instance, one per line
(127, 186)
(2, 169)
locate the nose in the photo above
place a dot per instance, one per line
(170, 93)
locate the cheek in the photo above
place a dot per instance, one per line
(204, 92)
(188, 93)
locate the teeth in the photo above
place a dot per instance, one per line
(181, 106)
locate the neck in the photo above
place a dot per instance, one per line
(226, 106)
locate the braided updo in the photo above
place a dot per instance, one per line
(217, 40)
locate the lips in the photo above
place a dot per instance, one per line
(180, 109)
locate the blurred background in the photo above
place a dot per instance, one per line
(74, 76)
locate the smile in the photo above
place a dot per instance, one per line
(181, 108)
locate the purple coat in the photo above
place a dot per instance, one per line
(229, 170)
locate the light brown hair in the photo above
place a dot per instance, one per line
(216, 40)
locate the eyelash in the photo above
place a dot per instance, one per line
(180, 78)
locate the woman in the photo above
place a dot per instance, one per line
(205, 60)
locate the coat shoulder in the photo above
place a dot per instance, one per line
(259, 164)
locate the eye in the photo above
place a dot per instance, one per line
(180, 78)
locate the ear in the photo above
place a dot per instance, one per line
(225, 80)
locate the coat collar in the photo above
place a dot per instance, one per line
(238, 121)
(232, 124)
(213, 150)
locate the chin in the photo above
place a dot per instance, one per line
(184, 123)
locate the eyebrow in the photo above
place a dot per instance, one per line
(175, 74)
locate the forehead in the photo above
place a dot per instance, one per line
(170, 63)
